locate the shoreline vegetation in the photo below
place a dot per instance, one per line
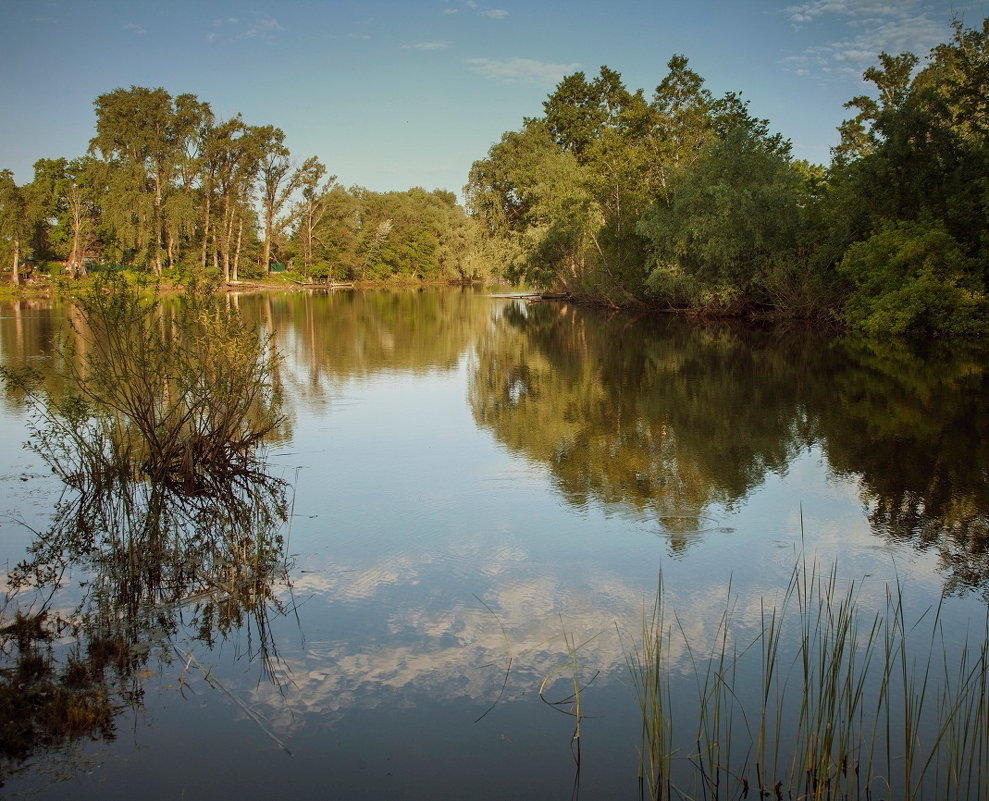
(675, 201)
(828, 696)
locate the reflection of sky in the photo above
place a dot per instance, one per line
(440, 518)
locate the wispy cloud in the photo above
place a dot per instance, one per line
(514, 70)
(439, 45)
(261, 26)
(808, 12)
(481, 11)
(867, 28)
(134, 28)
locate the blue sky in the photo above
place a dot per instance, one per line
(397, 94)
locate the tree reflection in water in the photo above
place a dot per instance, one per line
(668, 420)
(660, 421)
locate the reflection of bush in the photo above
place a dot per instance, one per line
(49, 698)
(153, 561)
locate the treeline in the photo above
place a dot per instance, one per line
(685, 200)
(168, 188)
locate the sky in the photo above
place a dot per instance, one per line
(391, 95)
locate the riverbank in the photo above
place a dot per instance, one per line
(45, 287)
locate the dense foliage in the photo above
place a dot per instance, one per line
(165, 187)
(685, 200)
(680, 200)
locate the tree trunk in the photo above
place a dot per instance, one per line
(222, 242)
(240, 231)
(169, 248)
(206, 231)
(158, 223)
(266, 252)
(17, 260)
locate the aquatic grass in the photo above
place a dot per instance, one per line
(508, 654)
(571, 671)
(714, 678)
(571, 704)
(647, 659)
(850, 701)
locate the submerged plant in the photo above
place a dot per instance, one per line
(181, 395)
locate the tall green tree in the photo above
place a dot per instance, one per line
(277, 183)
(530, 193)
(911, 183)
(13, 222)
(315, 188)
(729, 235)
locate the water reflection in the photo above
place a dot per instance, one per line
(675, 421)
(913, 429)
(432, 557)
(167, 521)
(350, 335)
(659, 419)
(665, 421)
(153, 563)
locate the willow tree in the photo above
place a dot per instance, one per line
(145, 139)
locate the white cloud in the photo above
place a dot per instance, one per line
(438, 45)
(481, 11)
(871, 27)
(261, 26)
(513, 70)
(450, 10)
(130, 26)
(807, 12)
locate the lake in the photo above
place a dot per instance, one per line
(484, 495)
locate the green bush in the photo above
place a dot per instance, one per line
(913, 279)
(320, 272)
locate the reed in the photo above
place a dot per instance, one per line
(849, 701)
(647, 659)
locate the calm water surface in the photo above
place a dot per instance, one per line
(484, 494)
